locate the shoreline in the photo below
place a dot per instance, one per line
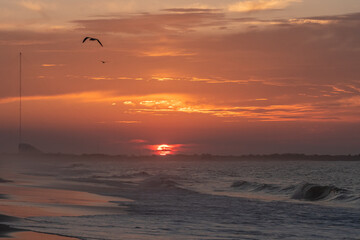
(26, 197)
(10, 233)
(5, 229)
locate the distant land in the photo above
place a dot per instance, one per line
(285, 156)
(27, 150)
(186, 157)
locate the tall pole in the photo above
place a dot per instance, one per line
(20, 140)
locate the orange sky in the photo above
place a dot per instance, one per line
(236, 77)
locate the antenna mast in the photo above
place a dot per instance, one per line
(20, 140)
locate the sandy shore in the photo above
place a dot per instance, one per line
(21, 202)
(4, 228)
(35, 236)
(28, 201)
(24, 195)
(9, 233)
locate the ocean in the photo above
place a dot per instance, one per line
(194, 198)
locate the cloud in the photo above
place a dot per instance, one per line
(260, 5)
(40, 7)
(102, 78)
(138, 141)
(51, 65)
(305, 112)
(31, 5)
(351, 102)
(343, 17)
(291, 62)
(153, 23)
(128, 103)
(164, 52)
(191, 10)
(81, 96)
(309, 20)
(128, 121)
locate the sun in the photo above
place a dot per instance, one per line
(164, 149)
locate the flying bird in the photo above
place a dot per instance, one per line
(92, 39)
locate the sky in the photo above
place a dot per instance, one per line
(224, 77)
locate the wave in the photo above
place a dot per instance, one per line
(303, 191)
(3, 196)
(133, 175)
(76, 165)
(2, 180)
(141, 174)
(159, 181)
(147, 182)
(314, 192)
(257, 187)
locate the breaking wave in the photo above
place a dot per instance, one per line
(303, 191)
(257, 187)
(131, 175)
(314, 192)
(159, 181)
(2, 180)
(134, 175)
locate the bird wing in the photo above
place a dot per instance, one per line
(85, 39)
(99, 42)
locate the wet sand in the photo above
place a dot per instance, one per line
(29, 201)
(35, 236)
(5, 229)
(32, 196)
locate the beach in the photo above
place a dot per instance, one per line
(31, 195)
(103, 197)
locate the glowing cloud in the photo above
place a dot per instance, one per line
(309, 21)
(260, 5)
(128, 103)
(128, 122)
(101, 78)
(83, 96)
(167, 53)
(51, 65)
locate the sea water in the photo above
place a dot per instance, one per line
(211, 199)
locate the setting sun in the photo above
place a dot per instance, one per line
(164, 149)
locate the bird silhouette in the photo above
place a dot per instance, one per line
(92, 39)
